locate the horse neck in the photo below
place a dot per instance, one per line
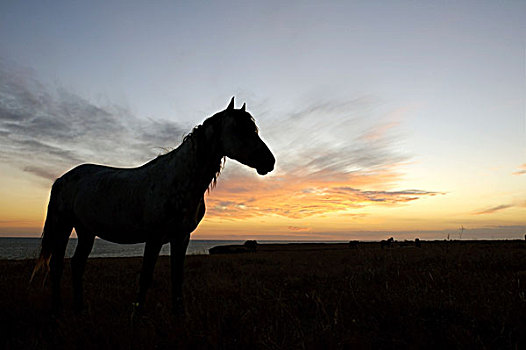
(199, 158)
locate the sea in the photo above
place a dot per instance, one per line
(29, 248)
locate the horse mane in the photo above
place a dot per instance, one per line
(197, 135)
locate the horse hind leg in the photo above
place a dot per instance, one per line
(78, 264)
(55, 236)
(56, 264)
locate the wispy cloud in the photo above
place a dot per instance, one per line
(494, 209)
(498, 208)
(331, 137)
(46, 132)
(298, 228)
(385, 196)
(297, 197)
(521, 170)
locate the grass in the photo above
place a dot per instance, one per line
(443, 294)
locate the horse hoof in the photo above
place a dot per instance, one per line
(78, 308)
(178, 310)
(56, 310)
(136, 314)
(81, 311)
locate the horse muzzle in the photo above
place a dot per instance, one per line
(263, 171)
(267, 168)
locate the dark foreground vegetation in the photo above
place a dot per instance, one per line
(438, 295)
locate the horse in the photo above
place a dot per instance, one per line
(157, 203)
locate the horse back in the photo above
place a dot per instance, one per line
(103, 199)
(127, 205)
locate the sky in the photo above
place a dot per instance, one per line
(386, 118)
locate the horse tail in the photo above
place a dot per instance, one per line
(49, 232)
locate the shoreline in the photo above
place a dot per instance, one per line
(287, 246)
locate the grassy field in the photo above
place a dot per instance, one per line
(442, 294)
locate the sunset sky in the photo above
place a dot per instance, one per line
(398, 118)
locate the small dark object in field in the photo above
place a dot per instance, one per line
(387, 243)
(251, 245)
(417, 242)
(353, 244)
(406, 243)
(248, 246)
(229, 249)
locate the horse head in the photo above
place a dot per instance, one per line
(240, 140)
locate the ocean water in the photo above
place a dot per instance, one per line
(28, 248)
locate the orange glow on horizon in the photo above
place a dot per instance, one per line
(296, 196)
(296, 206)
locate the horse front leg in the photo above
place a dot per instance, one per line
(177, 256)
(151, 253)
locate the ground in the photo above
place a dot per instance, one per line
(441, 294)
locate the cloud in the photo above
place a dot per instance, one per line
(497, 208)
(297, 197)
(337, 137)
(298, 228)
(494, 209)
(387, 196)
(42, 172)
(47, 132)
(521, 170)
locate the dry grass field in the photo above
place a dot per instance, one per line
(439, 295)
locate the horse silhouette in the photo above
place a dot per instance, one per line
(160, 202)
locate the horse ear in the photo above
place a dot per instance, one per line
(231, 105)
(243, 108)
